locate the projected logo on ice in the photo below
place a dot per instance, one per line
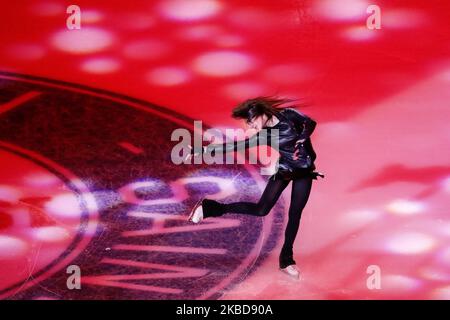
(87, 181)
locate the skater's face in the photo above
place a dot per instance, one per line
(257, 123)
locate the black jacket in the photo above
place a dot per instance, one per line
(293, 127)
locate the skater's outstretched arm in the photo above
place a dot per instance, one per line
(263, 137)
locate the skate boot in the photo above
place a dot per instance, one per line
(196, 214)
(292, 271)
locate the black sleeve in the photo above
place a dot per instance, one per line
(260, 138)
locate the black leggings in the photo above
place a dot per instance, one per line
(301, 188)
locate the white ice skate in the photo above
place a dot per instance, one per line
(196, 214)
(292, 271)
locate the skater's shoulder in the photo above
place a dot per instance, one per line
(292, 111)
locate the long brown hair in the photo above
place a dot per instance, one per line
(255, 107)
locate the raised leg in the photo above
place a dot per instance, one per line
(272, 192)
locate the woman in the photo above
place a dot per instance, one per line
(296, 164)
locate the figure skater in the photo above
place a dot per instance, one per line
(295, 163)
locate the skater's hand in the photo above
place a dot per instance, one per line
(191, 153)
